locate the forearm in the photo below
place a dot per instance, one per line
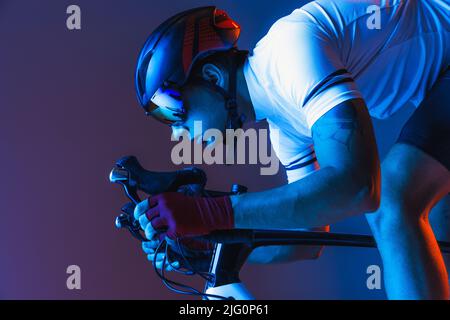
(347, 183)
(320, 199)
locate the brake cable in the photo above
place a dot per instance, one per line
(171, 285)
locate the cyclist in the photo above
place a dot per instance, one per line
(317, 77)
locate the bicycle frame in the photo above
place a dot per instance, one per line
(234, 246)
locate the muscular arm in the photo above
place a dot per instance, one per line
(347, 183)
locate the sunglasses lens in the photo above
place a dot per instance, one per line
(167, 106)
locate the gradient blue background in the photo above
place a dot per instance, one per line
(68, 111)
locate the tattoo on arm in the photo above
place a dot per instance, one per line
(345, 135)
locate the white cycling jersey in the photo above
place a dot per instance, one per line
(328, 52)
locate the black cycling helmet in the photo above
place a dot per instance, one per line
(169, 53)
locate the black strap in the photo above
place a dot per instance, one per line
(234, 120)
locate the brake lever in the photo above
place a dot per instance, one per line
(122, 177)
(126, 220)
(129, 173)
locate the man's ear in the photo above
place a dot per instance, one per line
(212, 73)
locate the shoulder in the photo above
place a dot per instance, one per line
(295, 39)
(327, 17)
(300, 28)
(299, 24)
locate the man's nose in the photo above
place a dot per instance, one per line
(178, 132)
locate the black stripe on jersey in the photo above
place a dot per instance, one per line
(302, 165)
(312, 153)
(327, 83)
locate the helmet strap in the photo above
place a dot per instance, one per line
(234, 120)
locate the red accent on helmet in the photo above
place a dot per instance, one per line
(208, 37)
(188, 43)
(223, 21)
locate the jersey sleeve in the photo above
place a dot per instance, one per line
(296, 155)
(310, 70)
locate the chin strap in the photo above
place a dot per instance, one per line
(234, 120)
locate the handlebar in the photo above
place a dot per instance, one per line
(129, 173)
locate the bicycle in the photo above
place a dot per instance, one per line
(231, 248)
